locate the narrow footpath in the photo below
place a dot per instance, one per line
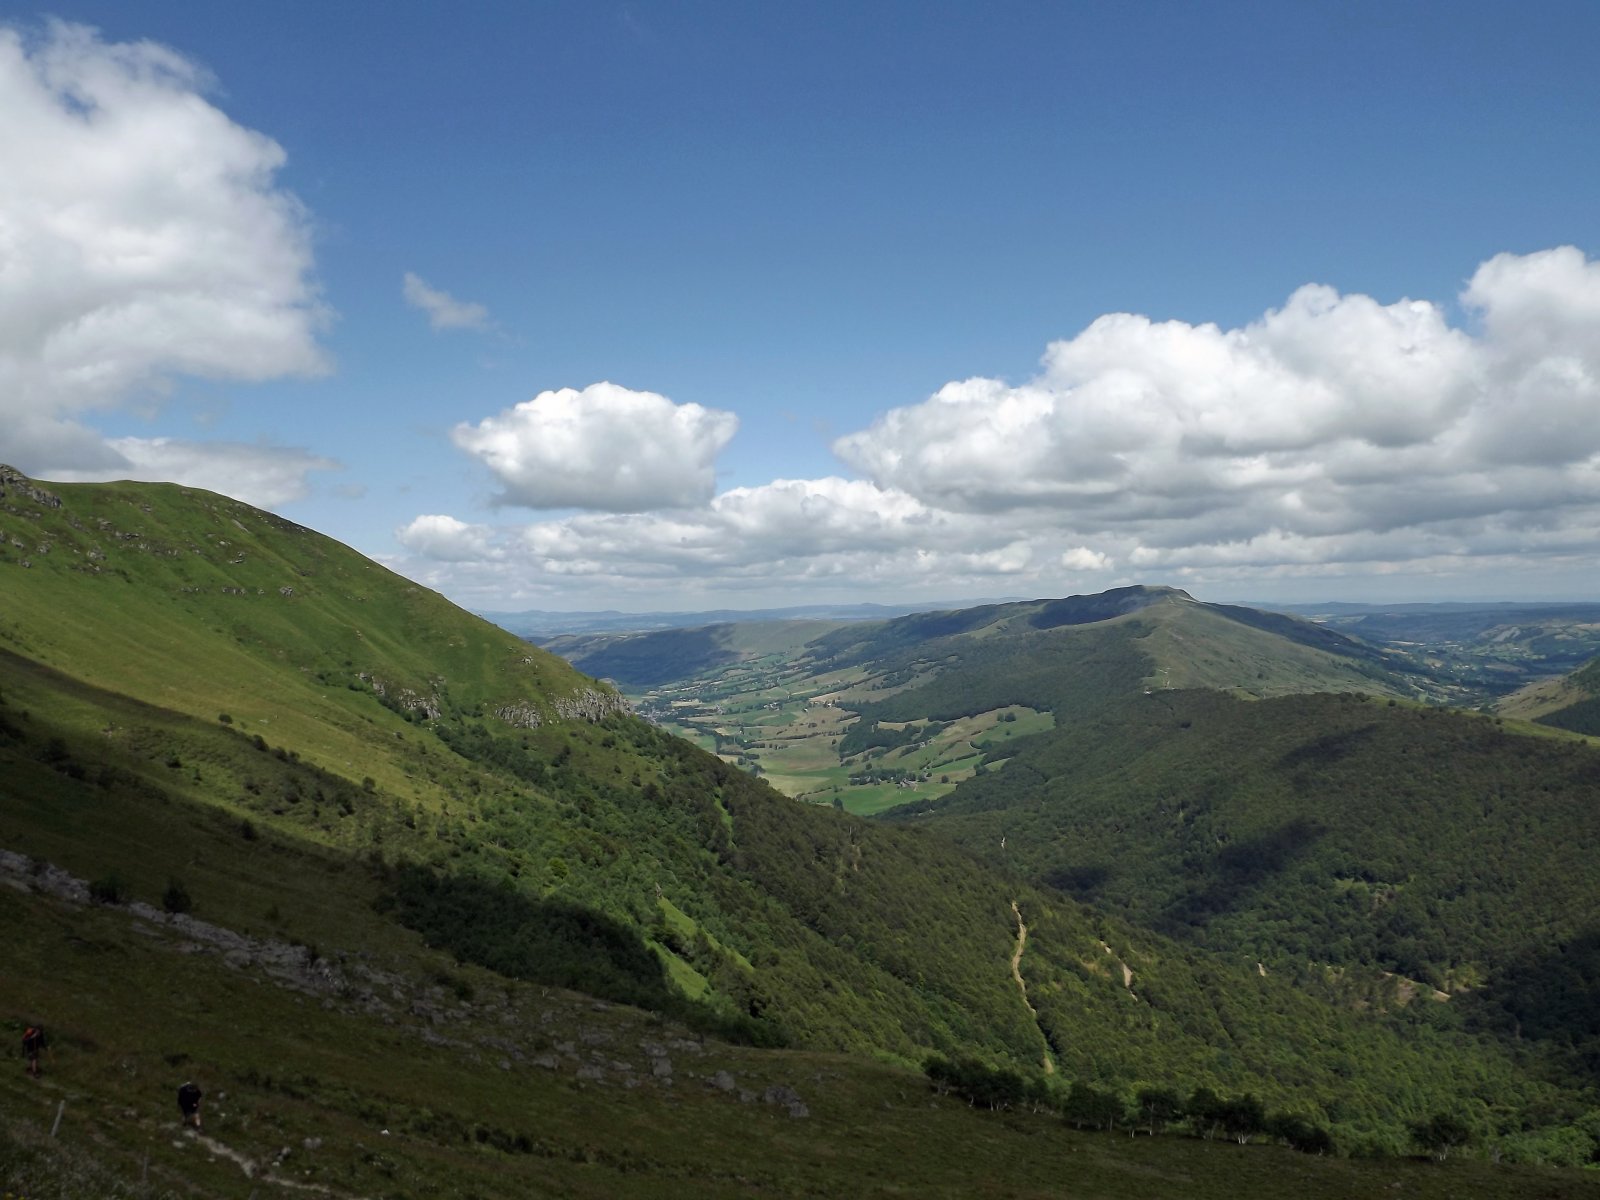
(1016, 973)
(252, 1170)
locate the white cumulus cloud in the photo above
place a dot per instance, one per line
(1081, 558)
(605, 447)
(444, 310)
(266, 476)
(1313, 433)
(445, 539)
(847, 535)
(142, 236)
(1335, 436)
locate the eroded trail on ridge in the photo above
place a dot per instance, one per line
(1016, 973)
(254, 1170)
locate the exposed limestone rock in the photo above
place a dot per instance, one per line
(592, 705)
(297, 967)
(428, 706)
(586, 706)
(521, 715)
(26, 875)
(787, 1098)
(14, 483)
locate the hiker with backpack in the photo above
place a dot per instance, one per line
(189, 1104)
(33, 1048)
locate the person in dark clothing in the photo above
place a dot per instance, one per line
(33, 1047)
(189, 1104)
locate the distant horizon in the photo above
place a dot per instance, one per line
(978, 601)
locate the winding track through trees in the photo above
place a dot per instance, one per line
(1016, 973)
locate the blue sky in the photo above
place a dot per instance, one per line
(852, 272)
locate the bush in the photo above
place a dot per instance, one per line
(108, 889)
(176, 898)
(1440, 1134)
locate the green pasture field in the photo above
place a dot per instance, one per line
(763, 713)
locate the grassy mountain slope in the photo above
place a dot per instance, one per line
(1481, 651)
(393, 773)
(210, 606)
(646, 659)
(467, 1086)
(1182, 642)
(941, 695)
(540, 626)
(1571, 702)
(1183, 1019)
(586, 806)
(850, 935)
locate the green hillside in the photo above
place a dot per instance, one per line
(205, 708)
(480, 758)
(1480, 652)
(1439, 846)
(1571, 702)
(130, 821)
(647, 659)
(941, 696)
(409, 1077)
(1174, 640)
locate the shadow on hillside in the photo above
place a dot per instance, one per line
(1237, 869)
(1329, 748)
(543, 941)
(1081, 881)
(493, 925)
(1550, 995)
(657, 657)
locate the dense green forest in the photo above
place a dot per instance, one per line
(1322, 833)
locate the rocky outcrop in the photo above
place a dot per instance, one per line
(592, 705)
(405, 698)
(511, 1030)
(521, 715)
(588, 705)
(14, 483)
(295, 966)
(787, 1098)
(428, 706)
